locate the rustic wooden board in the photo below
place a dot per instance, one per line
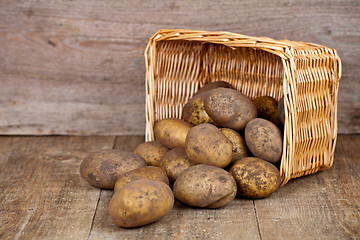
(77, 67)
(42, 194)
(321, 206)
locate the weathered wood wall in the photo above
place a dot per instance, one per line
(77, 67)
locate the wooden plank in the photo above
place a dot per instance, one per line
(77, 67)
(42, 194)
(321, 206)
(235, 221)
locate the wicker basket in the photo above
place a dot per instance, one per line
(179, 62)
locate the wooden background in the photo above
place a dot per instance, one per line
(77, 67)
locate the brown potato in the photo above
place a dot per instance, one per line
(206, 144)
(102, 168)
(255, 178)
(149, 172)
(281, 110)
(141, 202)
(205, 186)
(240, 149)
(172, 132)
(229, 108)
(152, 152)
(264, 140)
(212, 85)
(267, 108)
(194, 111)
(175, 162)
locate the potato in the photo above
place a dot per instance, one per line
(267, 108)
(149, 172)
(206, 144)
(172, 132)
(212, 85)
(240, 149)
(102, 168)
(205, 186)
(264, 140)
(255, 178)
(152, 152)
(141, 202)
(229, 108)
(281, 110)
(175, 162)
(194, 112)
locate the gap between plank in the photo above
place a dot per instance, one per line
(257, 220)
(92, 222)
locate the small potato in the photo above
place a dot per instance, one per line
(212, 85)
(281, 110)
(267, 109)
(255, 178)
(229, 108)
(206, 144)
(141, 202)
(264, 140)
(149, 172)
(205, 186)
(175, 162)
(194, 111)
(172, 132)
(102, 168)
(152, 152)
(240, 149)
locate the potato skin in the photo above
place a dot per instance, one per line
(205, 186)
(264, 140)
(212, 85)
(149, 172)
(152, 152)
(240, 149)
(172, 132)
(255, 178)
(141, 202)
(267, 108)
(229, 108)
(102, 168)
(175, 162)
(194, 111)
(206, 144)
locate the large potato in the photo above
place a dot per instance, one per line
(240, 149)
(264, 140)
(172, 132)
(102, 168)
(205, 186)
(255, 178)
(152, 152)
(141, 202)
(194, 111)
(149, 172)
(212, 85)
(206, 144)
(229, 108)
(267, 108)
(175, 162)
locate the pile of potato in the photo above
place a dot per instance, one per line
(224, 145)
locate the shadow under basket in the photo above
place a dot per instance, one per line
(179, 62)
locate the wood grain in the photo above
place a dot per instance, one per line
(42, 194)
(77, 67)
(321, 206)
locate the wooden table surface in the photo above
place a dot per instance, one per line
(42, 196)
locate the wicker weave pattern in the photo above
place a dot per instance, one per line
(179, 62)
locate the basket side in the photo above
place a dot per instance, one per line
(310, 94)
